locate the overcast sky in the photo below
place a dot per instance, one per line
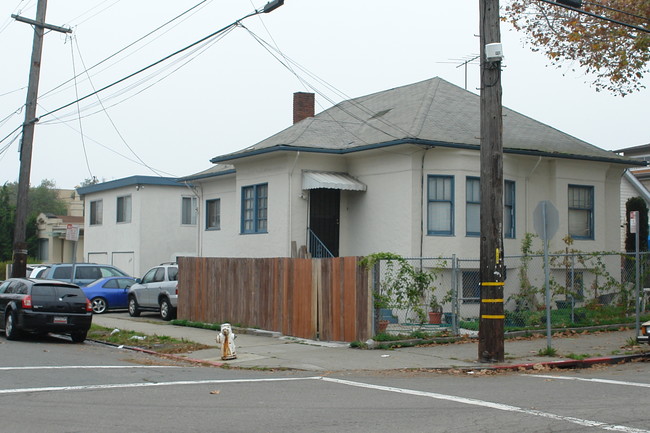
(172, 119)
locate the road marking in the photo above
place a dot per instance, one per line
(462, 400)
(582, 379)
(491, 405)
(147, 384)
(86, 367)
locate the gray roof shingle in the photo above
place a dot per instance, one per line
(433, 112)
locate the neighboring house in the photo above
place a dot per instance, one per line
(635, 182)
(72, 201)
(138, 222)
(398, 171)
(53, 247)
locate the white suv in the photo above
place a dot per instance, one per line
(156, 291)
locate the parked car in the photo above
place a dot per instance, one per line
(84, 273)
(156, 291)
(109, 293)
(33, 271)
(41, 306)
(644, 333)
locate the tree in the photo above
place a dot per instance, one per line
(41, 199)
(89, 181)
(616, 56)
(7, 214)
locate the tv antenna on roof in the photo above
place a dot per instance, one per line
(464, 62)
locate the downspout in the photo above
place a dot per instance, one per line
(290, 226)
(539, 159)
(424, 154)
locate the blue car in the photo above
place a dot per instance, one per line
(108, 293)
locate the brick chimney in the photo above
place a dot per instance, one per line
(303, 106)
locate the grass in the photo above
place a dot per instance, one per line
(158, 343)
(549, 351)
(578, 357)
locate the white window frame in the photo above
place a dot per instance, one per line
(189, 210)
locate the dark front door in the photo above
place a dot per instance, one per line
(324, 207)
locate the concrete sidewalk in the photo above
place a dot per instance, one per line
(259, 349)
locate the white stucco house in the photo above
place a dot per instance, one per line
(53, 246)
(398, 171)
(138, 222)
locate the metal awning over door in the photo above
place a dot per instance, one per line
(331, 180)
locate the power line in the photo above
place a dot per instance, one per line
(618, 11)
(584, 12)
(128, 46)
(211, 35)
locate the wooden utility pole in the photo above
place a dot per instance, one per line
(20, 228)
(492, 269)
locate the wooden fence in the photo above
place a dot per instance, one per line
(326, 299)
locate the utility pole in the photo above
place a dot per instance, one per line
(20, 228)
(492, 269)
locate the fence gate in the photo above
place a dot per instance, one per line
(327, 299)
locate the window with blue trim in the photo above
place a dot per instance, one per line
(509, 209)
(473, 206)
(581, 211)
(254, 205)
(440, 205)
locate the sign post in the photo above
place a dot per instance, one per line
(634, 228)
(546, 221)
(72, 234)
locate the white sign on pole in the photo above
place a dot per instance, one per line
(72, 233)
(634, 221)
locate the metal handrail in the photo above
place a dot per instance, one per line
(317, 248)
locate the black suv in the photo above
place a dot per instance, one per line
(43, 306)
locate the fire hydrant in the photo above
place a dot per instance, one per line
(227, 340)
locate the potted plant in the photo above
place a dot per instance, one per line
(435, 310)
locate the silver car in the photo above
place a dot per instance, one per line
(156, 291)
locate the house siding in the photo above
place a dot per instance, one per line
(391, 215)
(154, 235)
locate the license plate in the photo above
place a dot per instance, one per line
(60, 320)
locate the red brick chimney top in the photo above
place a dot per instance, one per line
(303, 106)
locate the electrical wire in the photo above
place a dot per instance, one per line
(617, 11)
(584, 12)
(175, 53)
(88, 138)
(83, 143)
(160, 27)
(183, 60)
(348, 99)
(114, 125)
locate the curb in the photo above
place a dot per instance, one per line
(161, 355)
(574, 363)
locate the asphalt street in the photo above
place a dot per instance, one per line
(50, 384)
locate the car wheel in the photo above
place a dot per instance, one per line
(10, 326)
(166, 309)
(99, 305)
(134, 310)
(79, 336)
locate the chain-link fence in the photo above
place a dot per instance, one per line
(585, 289)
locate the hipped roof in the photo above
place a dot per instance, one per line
(432, 112)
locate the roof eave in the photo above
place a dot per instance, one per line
(421, 142)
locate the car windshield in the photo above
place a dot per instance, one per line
(112, 272)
